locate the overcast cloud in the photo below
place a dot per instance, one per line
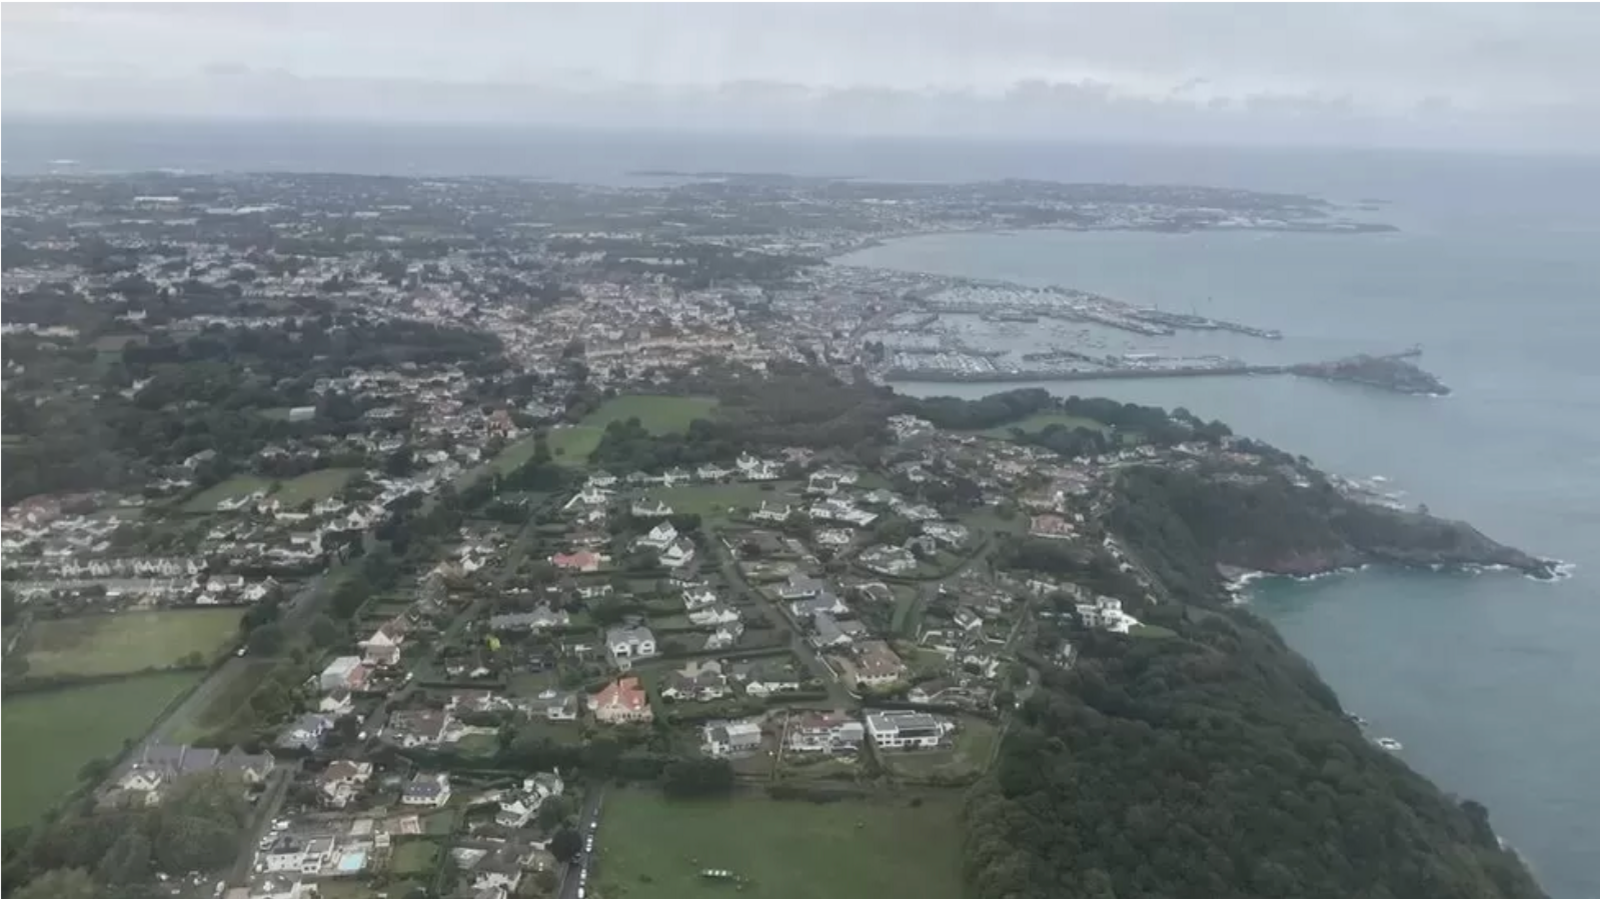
(1521, 76)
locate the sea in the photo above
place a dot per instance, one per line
(1490, 681)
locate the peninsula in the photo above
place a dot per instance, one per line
(463, 537)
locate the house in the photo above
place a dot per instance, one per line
(800, 586)
(889, 559)
(823, 482)
(966, 619)
(945, 532)
(628, 643)
(830, 733)
(1106, 613)
(411, 728)
(835, 537)
(341, 781)
(825, 601)
(714, 615)
(679, 554)
(343, 673)
(724, 636)
(427, 789)
(776, 512)
(1052, 527)
(337, 703)
(517, 808)
(828, 631)
(660, 537)
(698, 598)
(712, 472)
(591, 496)
(279, 886)
(541, 618)
(583, 561)
(622, 701)
(726, 738)
(154, 766)
(903, 729)
(554, 705)
(383, 647)
(877, 665)
(697, 681)
(648, 509)
(305, 733)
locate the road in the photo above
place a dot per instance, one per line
(588, 820)
(798, 643)
(295, 612)
(266, 810)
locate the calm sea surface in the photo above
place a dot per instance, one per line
(1492, 682)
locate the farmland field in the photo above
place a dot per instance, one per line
(52, 734)
(313, 486)
(658, 414)
(128, 642)
(236, 486)
(652, 847)
(572, 445)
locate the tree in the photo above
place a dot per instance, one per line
(555, 810)
(566, 844)
(267, 639)
(62, 883)
(689, 778)
(324, 632)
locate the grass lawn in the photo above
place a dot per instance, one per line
(572, 445)
(969, 753)
(51, 735)
(242, 683)
(652, 847)
(714, 500)
(413, 857)
(1041, 420)
(907, 614)
(236, 486)
(1151, 632)
(658, 414)
(313, 486)
(128, 642)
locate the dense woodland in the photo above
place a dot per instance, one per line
(1212, 766)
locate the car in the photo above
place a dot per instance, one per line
(580, 892)
(594, 826)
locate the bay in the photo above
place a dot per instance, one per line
(1490, 681)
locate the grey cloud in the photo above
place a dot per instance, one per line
(1480, 75)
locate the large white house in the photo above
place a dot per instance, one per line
(629, 643)
(902, 729)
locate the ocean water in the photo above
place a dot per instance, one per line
(1492, 682)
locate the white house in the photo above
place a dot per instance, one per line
(629, 643)
(427, 789)
(679, 554)
(730, 738)
(903, 729)
(660, 537)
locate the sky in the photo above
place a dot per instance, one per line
(1472, 76)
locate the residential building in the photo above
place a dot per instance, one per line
(629, 643)
(554, 705)
(427, 789)
(772, 512)
(541, 618)
(902, 729)
(824, 732)
(697, 681)
(726, 738)
(877, 665)
(622, 701)
(342, 780)
(660, 537)
(345, 672)
(679, 554)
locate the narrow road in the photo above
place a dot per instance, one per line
(588, 823)
(266, 810)
(798, 644)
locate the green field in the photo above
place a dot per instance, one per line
(658, 414)
(714, 500)
(51, 735)
(572, 445)
(971, 748)
(414, 857)
(128, 642)
(1041, 420)
(907, 615)
(652, 847)
(313, 486)
(238, 485)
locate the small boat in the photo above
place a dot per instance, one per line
(1389, 743)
